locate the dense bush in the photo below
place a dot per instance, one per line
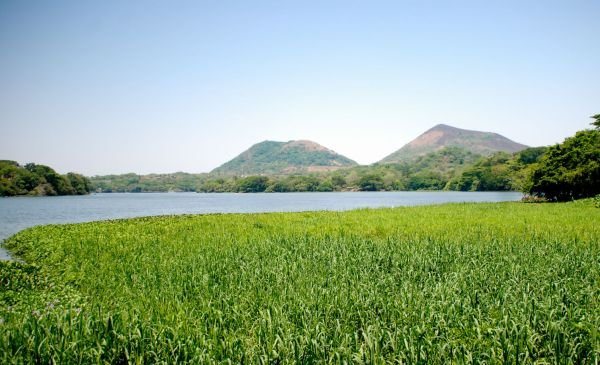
(570, 170)
(33, 179)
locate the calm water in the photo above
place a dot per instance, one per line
(23, 212)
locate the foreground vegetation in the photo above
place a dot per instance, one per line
(483, 283)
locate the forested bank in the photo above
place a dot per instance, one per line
(39, 180)
(450, 168)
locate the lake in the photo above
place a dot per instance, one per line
(22, 212)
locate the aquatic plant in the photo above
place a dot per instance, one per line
(464, 283)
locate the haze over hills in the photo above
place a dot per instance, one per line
(442, 136)
(271, 157)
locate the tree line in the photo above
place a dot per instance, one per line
(39, 180)
(451, 168)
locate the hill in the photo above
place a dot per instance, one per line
(271, 157)
(442, 135)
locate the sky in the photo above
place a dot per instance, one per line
(108, 87)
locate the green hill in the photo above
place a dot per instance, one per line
(442, 136)
(270, 157)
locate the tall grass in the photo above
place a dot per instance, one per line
(463, 283)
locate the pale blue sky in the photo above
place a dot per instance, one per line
(103, 87)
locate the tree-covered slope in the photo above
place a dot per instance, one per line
(441, 136)
(270, 157)
(499, 172)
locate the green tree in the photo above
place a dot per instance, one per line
(253, 184)
(338, 181)
(59, 185)
(530, 155)
(370, 182)
(570, 170)
(9, 174)
(33, 179)
(325, 185)
(596, 121)
(303, 183)
(278, 186)
(426, 180)
(489, 174)
(79, 183)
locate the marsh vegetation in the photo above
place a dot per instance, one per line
(494, 283)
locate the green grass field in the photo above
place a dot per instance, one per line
(462, 283)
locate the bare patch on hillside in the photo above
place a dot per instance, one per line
(427, 139)
(305, 145)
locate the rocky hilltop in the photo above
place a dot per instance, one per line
(443, 136)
